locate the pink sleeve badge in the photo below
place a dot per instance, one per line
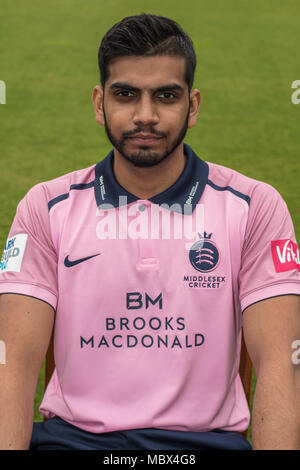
(285, 255)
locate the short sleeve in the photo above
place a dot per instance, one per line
(29, 262)
(270, 262)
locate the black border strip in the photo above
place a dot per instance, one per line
(229, 188)
(32, 296)
(62, 197)
(266, 298)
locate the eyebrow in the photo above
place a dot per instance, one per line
(126, 86)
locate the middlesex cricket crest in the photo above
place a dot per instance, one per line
(204, 254)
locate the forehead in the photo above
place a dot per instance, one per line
(147, 72)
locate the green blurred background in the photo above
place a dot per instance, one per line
(247, 60)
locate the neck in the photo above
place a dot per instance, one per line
(146, 182)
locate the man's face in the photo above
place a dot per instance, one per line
(146, 107)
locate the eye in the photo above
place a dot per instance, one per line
(124, 94)
(167, 95)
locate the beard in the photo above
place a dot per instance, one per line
(145, 157)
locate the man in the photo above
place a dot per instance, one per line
(151, 261)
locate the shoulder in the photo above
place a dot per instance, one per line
(41, 194)
(257, 193)
(267, 213)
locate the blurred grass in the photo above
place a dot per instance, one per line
(247, 60)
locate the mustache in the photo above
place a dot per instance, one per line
(139, 130)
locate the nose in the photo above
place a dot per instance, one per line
(145, 112)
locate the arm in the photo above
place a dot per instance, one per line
(270, 327)
(25, 327)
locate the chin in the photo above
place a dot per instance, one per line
(144, 157)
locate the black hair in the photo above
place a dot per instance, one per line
(146, 35)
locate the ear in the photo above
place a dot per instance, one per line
(97, 98)
(195, 101)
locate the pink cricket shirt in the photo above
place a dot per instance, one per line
(149, 294)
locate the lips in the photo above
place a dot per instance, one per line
(145, 138)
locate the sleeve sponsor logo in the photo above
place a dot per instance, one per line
(13, 253)
(285, 255)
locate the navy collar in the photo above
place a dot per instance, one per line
(186, 191)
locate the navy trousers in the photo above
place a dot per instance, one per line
(57, 434)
